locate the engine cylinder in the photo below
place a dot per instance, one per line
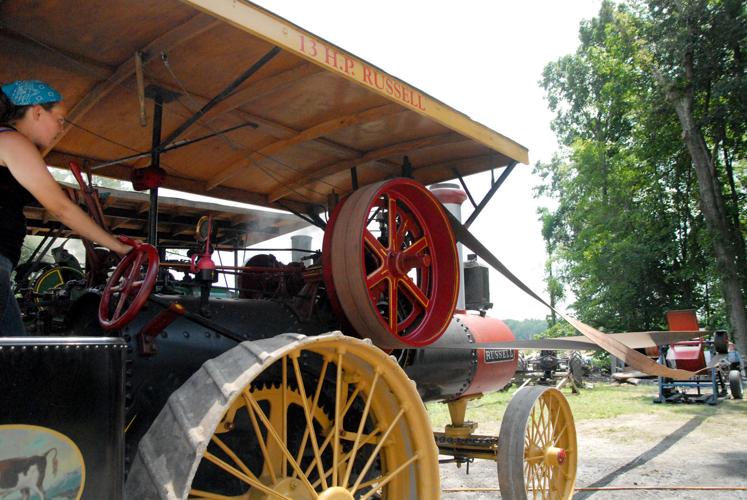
(443, 372)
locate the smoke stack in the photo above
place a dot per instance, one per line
(452, 197)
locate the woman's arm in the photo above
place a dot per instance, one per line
(27, 167)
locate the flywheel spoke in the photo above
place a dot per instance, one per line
(393, 302)
(373, 243)
(392, 222)
(419, 298)
(417, 247)
(375, 278)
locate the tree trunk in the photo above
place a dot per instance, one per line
(711, 204)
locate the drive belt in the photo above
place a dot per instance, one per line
(631, 357)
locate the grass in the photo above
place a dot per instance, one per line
(600, 402)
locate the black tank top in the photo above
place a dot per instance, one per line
(13, 197)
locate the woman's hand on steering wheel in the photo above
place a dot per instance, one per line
(126, 244)
(129, 285)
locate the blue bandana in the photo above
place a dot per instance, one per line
(30, 92)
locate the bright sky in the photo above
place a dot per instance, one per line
(483, 58)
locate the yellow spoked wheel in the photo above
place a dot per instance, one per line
(326, 417)
(537, 451)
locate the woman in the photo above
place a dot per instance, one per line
(31, 117)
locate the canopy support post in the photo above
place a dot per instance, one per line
(483, 203)
(155, 161)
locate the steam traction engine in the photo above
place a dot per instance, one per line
(220, 400)
(311, 383)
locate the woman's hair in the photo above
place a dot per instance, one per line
(10, 113)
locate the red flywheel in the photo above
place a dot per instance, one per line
(393, 265)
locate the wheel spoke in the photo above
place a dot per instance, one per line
(392, 475)
(374, 245)
(402, 230)
(123, 296)
(418, 246)
(262, 443)
(393, 305)
(530, 483)
(314, 404)
(351, 400)
(284, 382)
(534, 432)
(195, 493)
(376, 277)
(361, 426)
(542, 424)
(309, 420)
(392, 222)
(336, 425)
(250, 480)
(376, 450)
(559, 434)
(548, 424)
(414, 292)
(328, 473)
(228, 451)
(272, 432)
(135, 269)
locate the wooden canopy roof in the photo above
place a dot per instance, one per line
(307, 111)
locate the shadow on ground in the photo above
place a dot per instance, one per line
(646, 456)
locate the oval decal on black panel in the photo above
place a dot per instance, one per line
(37, 463)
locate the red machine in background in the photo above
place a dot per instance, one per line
(716, 360)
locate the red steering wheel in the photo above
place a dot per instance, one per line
(132, 282)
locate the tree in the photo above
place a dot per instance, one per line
(554, 286)
(695, 52)
(629, 235)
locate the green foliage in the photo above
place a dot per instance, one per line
(628, 238)
(560, 329)
(526, 329)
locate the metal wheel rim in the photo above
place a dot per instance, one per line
(402, 443)
(538, 420)
(424, 243)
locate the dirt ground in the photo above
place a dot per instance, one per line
(697, 445)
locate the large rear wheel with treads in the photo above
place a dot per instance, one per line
(537, 450)
(394, 264)
(327, 417)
